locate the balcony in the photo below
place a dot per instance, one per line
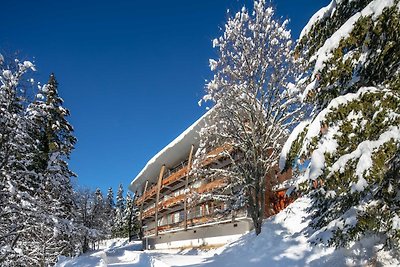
(178, 175)
(173, 201)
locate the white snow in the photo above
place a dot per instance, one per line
(364, 153)
(292, 137)
(29, 65)
(213, 64)
(328, 144)
(375, 8)
(284, 241)
(322, 13)
(314, 127)
(311, 86)
(396, 222)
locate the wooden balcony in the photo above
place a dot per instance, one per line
(212, 156)
(173, 201)
(211, 186)
(216, 154)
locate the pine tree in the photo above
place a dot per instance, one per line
(351, 53)
(21, 215)
(130, 218)
(110, 210)
(98, 214)
(55, 144)
(118, 230)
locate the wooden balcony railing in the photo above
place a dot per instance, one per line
(212, 156)
(216, 154)
(211, 186)
(173, 201)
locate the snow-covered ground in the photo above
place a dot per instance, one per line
(283, 242)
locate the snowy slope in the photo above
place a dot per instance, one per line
(284, 241)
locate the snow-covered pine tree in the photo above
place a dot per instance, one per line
(130, 219)
(20, 214)
(118, 229)
(110, 209)
(255, 103)
(99, 218)
(351, 51)
(55, 142)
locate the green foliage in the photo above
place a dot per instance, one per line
(295, 149)
(368, 57)
(363, 119)
(325, 27)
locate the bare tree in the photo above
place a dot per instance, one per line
(255, 104)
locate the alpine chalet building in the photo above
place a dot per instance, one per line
(169, 216)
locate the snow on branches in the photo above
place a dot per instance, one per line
(256, 103)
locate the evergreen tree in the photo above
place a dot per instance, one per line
(351, 54)
(119, 225)
(110, 198)
(20, 213)
(55, 143)
(37, 209)
(98, 213)
(110, 209)
(130, 217)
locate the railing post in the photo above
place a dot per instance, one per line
(189, 166)
(141, 207)
(158, 195)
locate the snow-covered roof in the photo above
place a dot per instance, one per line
(175, 152)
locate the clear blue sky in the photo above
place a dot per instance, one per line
(131, 72)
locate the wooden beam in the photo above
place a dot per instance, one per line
(158, 195)
(141, 205)
(189, 166)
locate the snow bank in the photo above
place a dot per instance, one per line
(285, 240)
(114, 252)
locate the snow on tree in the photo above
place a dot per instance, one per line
(351, 52)
(110, 209)
(20, 213)
(55, 142)
(130, 217)
(256, 104)
(118, 230)
(92, 218)
(37, 210)
(99, 216)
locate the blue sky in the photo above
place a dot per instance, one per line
(131, 72)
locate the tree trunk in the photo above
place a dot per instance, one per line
(130, 227)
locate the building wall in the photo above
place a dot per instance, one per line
(209, 235)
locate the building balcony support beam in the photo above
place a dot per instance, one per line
(141, 207)
(189, 166)
(158, 196)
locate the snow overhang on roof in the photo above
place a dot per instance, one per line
(175, 152)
